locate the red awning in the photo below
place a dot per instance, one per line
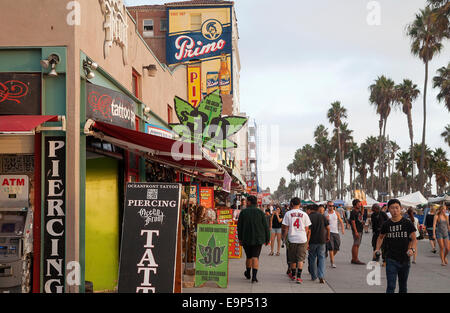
(160, 149)
(23, 123)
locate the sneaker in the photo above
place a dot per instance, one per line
(333, 265)
(292, 277)
(321, 280)
(299, 280)
(434, 250)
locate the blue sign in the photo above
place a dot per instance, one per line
(213, 40)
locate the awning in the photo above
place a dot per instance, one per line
(159, 149)
(23, 124)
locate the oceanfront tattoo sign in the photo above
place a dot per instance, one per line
(204, 124)
(54, 214)
(149, 238)
(115, 26)
(106, 105)
(20, 93)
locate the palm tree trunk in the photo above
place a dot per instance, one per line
(411, 137)
(383, 167)
(422, 154)
(380, 159)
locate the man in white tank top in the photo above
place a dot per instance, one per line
(335, 240)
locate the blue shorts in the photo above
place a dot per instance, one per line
(276, 230)
(441, 236)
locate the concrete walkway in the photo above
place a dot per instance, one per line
(426, 276)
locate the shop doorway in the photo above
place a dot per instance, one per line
(102, 223)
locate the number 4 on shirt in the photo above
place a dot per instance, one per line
(297, 223)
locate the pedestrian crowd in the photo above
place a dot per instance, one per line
(312, 233)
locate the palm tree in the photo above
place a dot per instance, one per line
(440, 168)
(446, 134)
(403, 165)
(382, 96)
(442, 81)
(441, 14)
(407, 92)
(425, 43)
(335, 115)
(368, 149)
(324, 152)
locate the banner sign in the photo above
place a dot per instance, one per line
(204, 124)
(106, 105)
(234, 248)
(203, 34)
(54, 220)
(14, 191)
(194, 84)
(212, 255)
(158, 131)
(224, 216)
(207, 197)
(149, 238)
(20, 93)
(212, 40)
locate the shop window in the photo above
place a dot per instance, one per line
(148, 28)
(169, 114)
(196, 21)
(136, 84)
(163, 25)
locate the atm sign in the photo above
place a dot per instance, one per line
(13, 182)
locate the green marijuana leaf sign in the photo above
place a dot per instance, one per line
(212, 255)
(204, 124)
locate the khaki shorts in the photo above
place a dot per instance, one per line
(296, 252)
(357, 242)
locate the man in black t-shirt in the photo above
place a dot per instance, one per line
(357, 226)
(399, 234)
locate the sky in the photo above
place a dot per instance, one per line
(297, 57)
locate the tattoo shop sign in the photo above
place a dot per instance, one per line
(106, 105)
(54, 214)
(149, 238)
(212, 255)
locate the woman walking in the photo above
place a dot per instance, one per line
(440, 232)
(275, 228)
(415, 221)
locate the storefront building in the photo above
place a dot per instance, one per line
(68, 63)
(203, 35)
